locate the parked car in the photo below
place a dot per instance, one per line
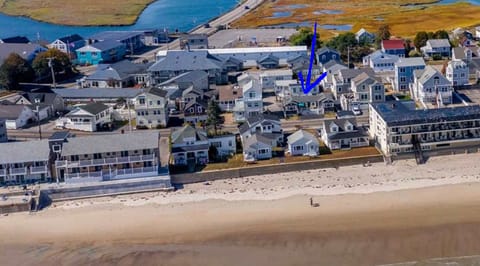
(356, 110)
(247, 7)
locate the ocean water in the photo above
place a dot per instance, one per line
(171, 14)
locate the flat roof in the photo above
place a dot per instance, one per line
(96, 93)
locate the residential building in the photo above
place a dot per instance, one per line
(268, 77)
(394, 47)
(68, 44)
(50, 104)
(326, 54)
(102, 95)
(195, 111)
(380, 61)
(16, 116)
(251, 104)
(457, 72)
(343, 133)
(363, 36)
(227, 96)
(106, 157)
(477, 32)
(226, 144)
(190, 94)
(268, 61)
(310, 104)
(3, 130)
(132, 40)
(27, 51)
(436, 47)
(193, 41)
(268, 125)
(155, 36)
(462, 53)
(100, 52)
(198, 79)
(331, 68)
(298, 60)
(342, 80)
(257, 147)
(175, 62)
(151, 107)
(365, 89)
(404, 68)
(430, 86)
(24, 162)
(303, 143)
(15, 39)
(400, 128)
(122, 74)
(90, 117)
(189, 146)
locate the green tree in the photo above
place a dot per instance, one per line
(383, 33)
(420, 39)
(214, 119)
(441, 34)
(414, 53)
(60, 60)
(14, 70)
(342, 43)
(304, 37)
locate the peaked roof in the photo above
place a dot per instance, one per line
(22, 49)
(188, 132)
(71, 38)
(256, 138)
(302, 134)
(157, 91)
(393, 44)
(117, 71)
(363, 77)
(379, 54)
(94, 108)
(191, 103)
(11, 111)
(24, 151)
(267, 58)
(340, 122)
(45, 98)
(437, 43)
(424, 75)
(326, 49)
(182, 60)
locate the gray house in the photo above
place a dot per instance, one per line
(439, 47)
(27, 51)
(303, 143)
(326, 54)
(3, 130)
(122, 74)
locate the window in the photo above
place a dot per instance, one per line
(158, 102)
(401, 69)
(230, 143)
(141, 100)
(56, 148)
(217, 144)
(403, 79)
(150, 102)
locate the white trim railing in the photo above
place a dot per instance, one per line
(3, 172)
(38, 169)
(18, 171)
(106, 161)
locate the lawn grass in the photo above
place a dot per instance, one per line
(404, 21)
(77, 12)
(237, 160)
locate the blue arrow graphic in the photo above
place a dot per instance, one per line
(307, 86)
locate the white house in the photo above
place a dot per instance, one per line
(364, 36)
(16, 116)
(365, 89)
(303, 143)
(68, 44)
(251, 103)
(225, 144)
(457, 72)
(257, 147)
(380, 61)
(90, 117)
(151, 108)
(343, 134)
(189, 146)
(268, 77)
(430, 86)
(439, 47)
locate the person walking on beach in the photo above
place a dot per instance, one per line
(311, 201)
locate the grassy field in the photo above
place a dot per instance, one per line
(77, 12)
(404, 21)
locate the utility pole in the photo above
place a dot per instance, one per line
(50, 65)
(38, 120)
(129, 116)
(348, 56)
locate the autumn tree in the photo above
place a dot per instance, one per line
(60, 61)
(304, 37)
(14, 70)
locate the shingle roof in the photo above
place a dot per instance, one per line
(229, 93)
(11, 111)
(94, 108)
(397, 114)
(102, 46)
(202, 103)
(269, 57)
(393, 44)
(437, 43)
(45, 98)
(98, 93)
(187, 61)
(118, 71)
(188, 132)
(410, 61)
(110, 143)
(302, 134)
(157, 91)
(71, 38)
(340, 122)
(423, 75)
(16, 39)
(22, 49)
(257, 138)
(28, 151)
(347, 135)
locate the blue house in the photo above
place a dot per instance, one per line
(326, 54)
(395, 47)
(404, 69)
(101, 52)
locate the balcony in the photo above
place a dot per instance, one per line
(85, 175)
(127, 173)
(106, 175)
(18, 171)
(106, 161)
(38, 169)
(3, 172)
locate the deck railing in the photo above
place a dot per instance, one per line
(106, 161)
(18, 171)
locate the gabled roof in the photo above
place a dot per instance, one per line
(393, 44)
(326, 49)
(311, 98)
(438, 43)
(71, 38)
(298, 58)
(192, 90)
(157, 92)
(187, 61)
(24, 151)
(16, 39)
(11, 111)
(364, 77)
(188, 132)
(94, 108)
(22, 49)
(118, 71)
(184, 80)
(254, 139)
(269, 57)
(410, 61)
(44, 98)
(253, 120)
(380, 55)
(111, 143)
(340, 122)
(351, 73)
(424, 75)
(302, 134)
(101, 46)
(362, 31)
(196, 101)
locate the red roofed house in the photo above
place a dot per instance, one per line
(395, 47)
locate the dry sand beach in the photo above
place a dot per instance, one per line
(367, 215)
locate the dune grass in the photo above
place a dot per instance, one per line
(77, 12)
(404, 21)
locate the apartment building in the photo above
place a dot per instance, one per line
(151, 107)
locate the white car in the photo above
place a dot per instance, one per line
(356, 110)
